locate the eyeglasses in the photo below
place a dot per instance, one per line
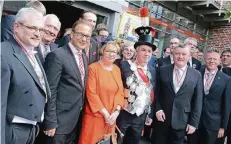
(81, 35)
(110, 51)
(32, 28)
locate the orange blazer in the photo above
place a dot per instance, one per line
(97, 98)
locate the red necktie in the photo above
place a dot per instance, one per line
(81, 67)
(146, 80)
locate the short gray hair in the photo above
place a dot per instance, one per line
(20, 16)
(188, 39)
(212, 50)
(53, 16)
(183, 45)
(37, 5)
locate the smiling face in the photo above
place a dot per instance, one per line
(51, 30)
(143, 54)
(181, 56)
(109, 52)
(212, 60)
(28, 30)
(81, 36)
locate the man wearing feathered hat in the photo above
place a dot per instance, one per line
(139, 82)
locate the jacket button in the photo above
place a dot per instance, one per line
(35, 117)
(31, 105)
(26, 92)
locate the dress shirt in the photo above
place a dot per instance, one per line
(213, 74)
(171, 58)
(182, 73)
(75, 53)
(45, 49)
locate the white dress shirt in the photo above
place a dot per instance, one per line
(182, 73)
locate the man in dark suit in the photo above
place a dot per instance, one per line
(51, 29)
(216, 102)
(24, 87)
(194, 63)
(225, 68)
(92, 50)
(169, 59)
(178, 99)
(66, 69)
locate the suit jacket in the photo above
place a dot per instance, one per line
(21, 92)
(126, 72)
(93, 52)
(183, 107)
(164, 61)
(227, 71)
(67, 90)
(53, 46)
(216, 104)
(196, 64)
(7, 26)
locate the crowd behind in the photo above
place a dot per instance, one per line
(87, 88)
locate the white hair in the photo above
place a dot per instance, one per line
(188, 39)
(20, 16)
(54, 17)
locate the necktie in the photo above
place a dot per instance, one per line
(208, 82)
(81, 67)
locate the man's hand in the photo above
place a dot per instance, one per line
(50, 132)
(112, 118)
(221, 133)
(148, 121)
(160, 116)
(190, 129)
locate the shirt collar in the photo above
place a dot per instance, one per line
(73, 48)
(182, 69)
(29, 50)
(212, 72)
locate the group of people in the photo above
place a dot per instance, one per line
(89, 87)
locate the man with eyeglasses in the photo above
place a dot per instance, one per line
(24, 86)
(91, 50)
(51, 29)
(66, 70)
(169, 60)
(193, 62)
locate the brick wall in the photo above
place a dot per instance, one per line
(220, 37)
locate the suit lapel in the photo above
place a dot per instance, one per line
(21, 56)
(170, 74)
(85, 63)
(74, 65)
(216, 81)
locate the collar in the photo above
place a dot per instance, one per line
(182, 69)
(142, 67)
(29, 50)
(74, 49)
(212, 72)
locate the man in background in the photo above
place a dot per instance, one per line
(51, 29)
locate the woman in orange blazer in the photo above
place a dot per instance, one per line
(105, 96)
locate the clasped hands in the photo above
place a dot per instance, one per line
(110, 119)
(160, 115)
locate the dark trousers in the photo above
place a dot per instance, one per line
(131, 126)
(207, 136)
(20, 133)
(165, 134)
(193, 138)
(61, 138)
